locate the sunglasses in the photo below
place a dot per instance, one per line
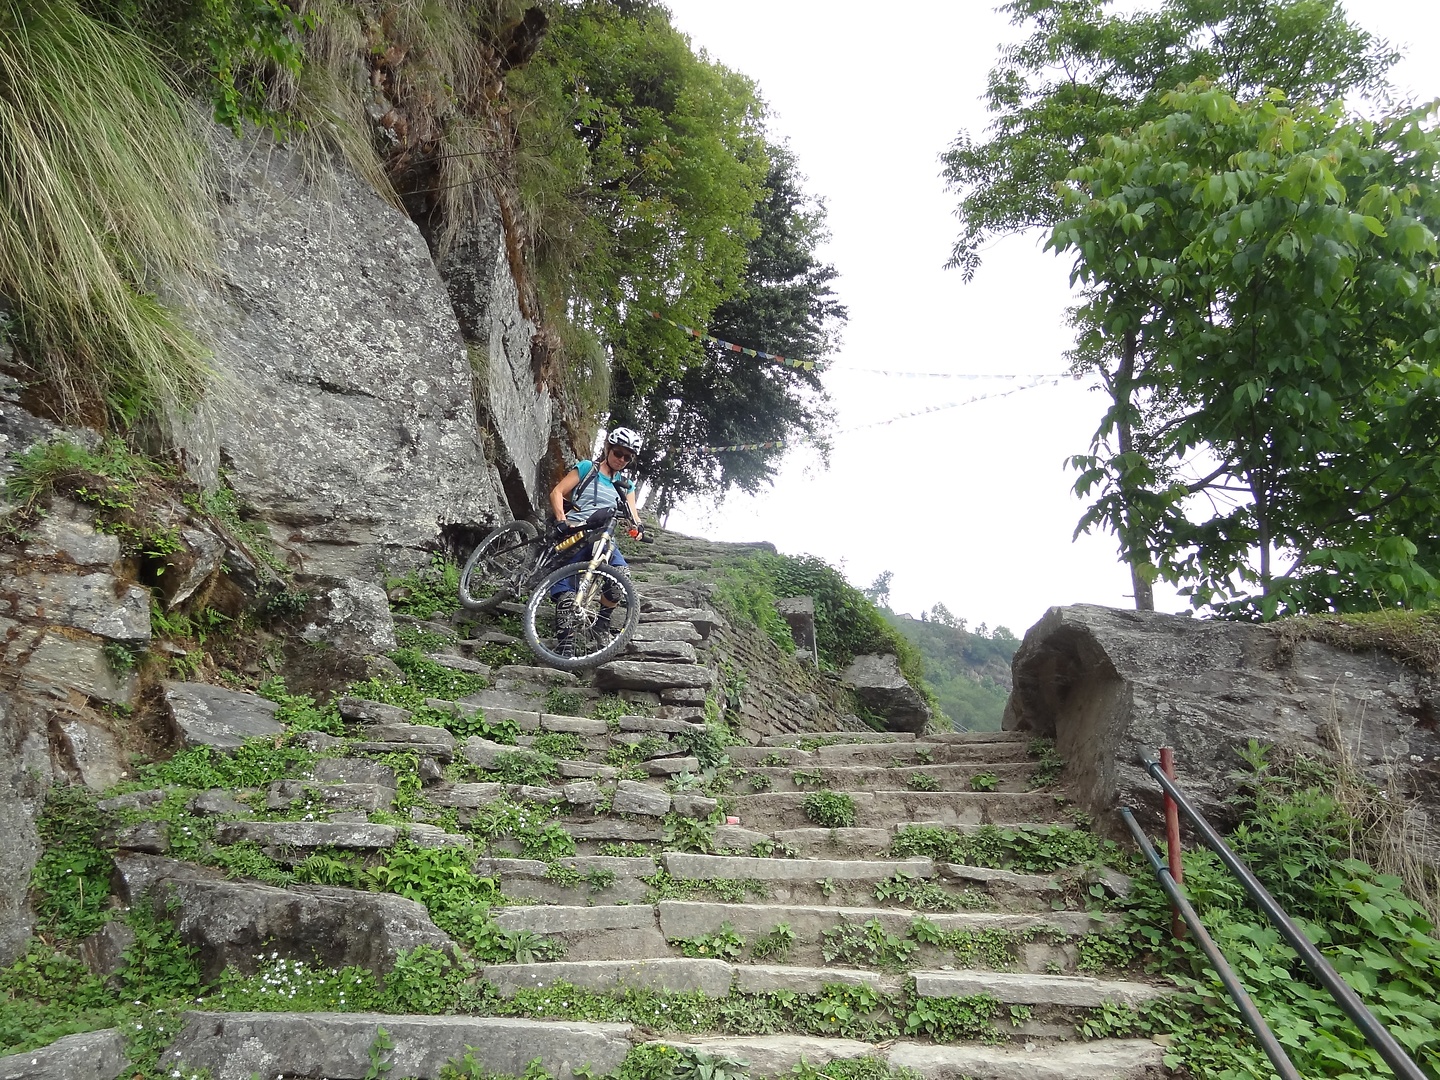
(622, 453)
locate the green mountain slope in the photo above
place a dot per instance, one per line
(969, 672)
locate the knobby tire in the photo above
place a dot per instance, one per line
(496, 566)
(539, 620)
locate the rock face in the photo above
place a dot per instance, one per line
(94, 1055)
(204, 715)
(1105, 684)
(877, 682)
(345, 414)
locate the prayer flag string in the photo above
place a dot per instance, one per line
(787, 361)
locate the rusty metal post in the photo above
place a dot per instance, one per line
(1172, 838)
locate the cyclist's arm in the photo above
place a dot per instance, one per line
(558, 493)
(630, 502)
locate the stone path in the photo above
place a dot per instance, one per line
(728, 882)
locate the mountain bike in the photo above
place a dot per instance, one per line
(515, 562)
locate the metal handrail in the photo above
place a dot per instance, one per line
(1251, 1015)
(1375, 1033)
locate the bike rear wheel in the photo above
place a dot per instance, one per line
(592, 642)
(496, 569)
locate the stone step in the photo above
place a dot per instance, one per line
(1103, 1059)
(848, 737)
(237, 1046)
(717, 978)
(923, 753)
(814, 842)
(1011, 777)
(1023, 988)
(582, 879)
(285, 837)
(876, 809)
(611, 932)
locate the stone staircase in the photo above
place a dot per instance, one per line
(765, 899)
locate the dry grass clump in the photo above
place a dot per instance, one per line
(103, 195)
(1412, 637)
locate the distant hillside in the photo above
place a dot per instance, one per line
(969, 672)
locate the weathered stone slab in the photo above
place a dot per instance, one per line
(737, 837)
(583, 793)
(372, 712)
(57, 665)
(93, 752)
(132, 800)
(575, 725)
(218, 803)
(205, 715)
(734, 867)
(664, 652)
(670, 766)
(556, 919)
(353, 771)
(350, 614)
(585, 769)
(93, 1055)
(546, 676)
(615, 829)
(460, 663)
(880, 686)
(633, 797)
(778, 1055)
(1020, 988)
(66, 533)
(230, 922)
(90, 602)
(285, 793)
(776, 756)
(307, 834)
(764, 979)
(482, 753)
(438, 751)
(235, 1046)
(694, 806)
(411, 734)
(149, 837)
(667, 631)
(846, 843)
(642, 675)
(1106, 1059)
(683, 696)
(467, 796)
(651, 724)
(504, 699)
(709, 977)
(432, 836)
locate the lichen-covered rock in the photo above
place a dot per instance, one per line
(92, 1055)
(632, 797)
(347, 614)
(1107, 684)
(94, 602)
(344, 408)
(642, 675)
(205, 715)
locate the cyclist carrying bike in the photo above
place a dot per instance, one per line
(591, 486)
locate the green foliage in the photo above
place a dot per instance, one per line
(564, 702)
(744, 591)
(524, 767)
(962, 667)
(918, 781)
(662, 886)
(1048, 762)
(298, 712)
(558, 744)
(925, 895)
(688, 834)
(707, 744)
(984, 781)
(953, 1019)
(1029, 849)
(785, 306)
(246, 860)
(1086, 70)
(102, 197)
(847, 624)
(868, 945)
(724, 944)
(466, 721)
(426, 591)
(423, 678)
(654, 156)
(254, 764)
(830, 809)
(802, 778)
(610, 708)
(775, 944)
(71, 878)
(1231, 289)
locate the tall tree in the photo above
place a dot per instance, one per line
(786, 307)
(1085, 72)
(1278, 267)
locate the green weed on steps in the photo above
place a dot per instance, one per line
(1034, 849)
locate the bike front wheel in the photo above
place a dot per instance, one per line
(496, 569)
(592, 641)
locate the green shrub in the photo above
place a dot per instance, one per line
(830, 809)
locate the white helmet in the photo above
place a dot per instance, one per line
(624, 436)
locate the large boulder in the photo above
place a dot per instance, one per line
(881, 688)
(344, 411)
(1108, 684)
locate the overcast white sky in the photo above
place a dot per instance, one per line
(970, 507)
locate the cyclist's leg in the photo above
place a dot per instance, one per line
(563, 595)
(610, 594)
